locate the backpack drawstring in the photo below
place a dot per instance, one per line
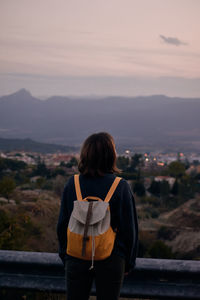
(93, 249)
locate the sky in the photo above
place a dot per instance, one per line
(100, 47)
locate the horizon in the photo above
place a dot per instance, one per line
(90, 96)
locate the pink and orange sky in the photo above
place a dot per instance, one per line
(101, 47)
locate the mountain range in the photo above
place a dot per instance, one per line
(29, 145)
(140, 123)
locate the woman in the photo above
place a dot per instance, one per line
(97, 168)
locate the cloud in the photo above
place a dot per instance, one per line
(172, 41)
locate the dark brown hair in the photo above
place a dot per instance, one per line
(98, 155)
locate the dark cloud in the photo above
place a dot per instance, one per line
(172, 40)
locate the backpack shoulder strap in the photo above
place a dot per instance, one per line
(112, 189)
(77, 187)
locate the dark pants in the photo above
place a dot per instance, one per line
(108, 275)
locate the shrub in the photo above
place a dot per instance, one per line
(151, 200)
(16, 230)
(159, 250)
(154, 214)
(139, 189)
(7, 185)
(164, 233)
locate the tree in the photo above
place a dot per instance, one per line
(21, 178)
(58, 171)
(155, 188)
(11, 164)
(41, 170)
(187, 187)
(7, 186)
(58, 185)
(139, 189)
(135, 162)
(176, 169)
(73, 162)
(122, 163)
(164, 189)
(175, 188)
(2, 164)
(40, 182)
(197, 176)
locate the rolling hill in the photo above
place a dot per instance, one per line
(29, 145)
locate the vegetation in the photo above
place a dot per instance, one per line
(159, 250)
(165, 233)
(129, 165)
(139, 189)
(16, 230)
(7, 186)
(37, 189)
(176, 169)
(10, 164)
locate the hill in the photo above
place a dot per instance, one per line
(29, 145)
(36, 213)
(178, 228)
(150, 122)
(184, 222)
(36, 217)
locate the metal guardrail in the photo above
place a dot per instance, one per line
(152, 278)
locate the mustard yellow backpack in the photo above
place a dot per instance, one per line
(89, 233)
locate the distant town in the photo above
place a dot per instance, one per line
(151, 159)
(32, 158)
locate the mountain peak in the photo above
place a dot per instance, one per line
(21, 97)
(23, 93)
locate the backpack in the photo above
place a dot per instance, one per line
(89, 233)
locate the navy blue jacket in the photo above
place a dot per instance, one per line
(122, 208)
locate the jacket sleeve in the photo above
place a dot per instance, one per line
(128, 230)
